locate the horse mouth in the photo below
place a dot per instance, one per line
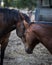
(28, 51)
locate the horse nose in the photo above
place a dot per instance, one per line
(29, 51)
(20, 35)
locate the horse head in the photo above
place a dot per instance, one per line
(22, 25)
(30, 40)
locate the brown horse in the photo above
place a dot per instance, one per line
(38, 32)
(10, 19)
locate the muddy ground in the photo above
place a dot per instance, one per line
(16, 55)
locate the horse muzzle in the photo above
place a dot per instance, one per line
(29, 51)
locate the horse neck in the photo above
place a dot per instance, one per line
(8, 27)
(10, 19)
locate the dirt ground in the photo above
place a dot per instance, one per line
(16, 55)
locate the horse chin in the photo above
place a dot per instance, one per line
(29, 51)
(20, 35)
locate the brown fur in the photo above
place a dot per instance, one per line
(36, 33)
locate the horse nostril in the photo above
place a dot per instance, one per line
(29, 51)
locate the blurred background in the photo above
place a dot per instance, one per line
(30, 4)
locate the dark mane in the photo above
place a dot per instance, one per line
(12, 12)
(9, 14)
(4, 10)
(26, 17)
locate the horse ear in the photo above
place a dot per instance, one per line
(26, 24)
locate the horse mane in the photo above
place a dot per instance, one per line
(15, 13)
(9, 11)
(25, 17)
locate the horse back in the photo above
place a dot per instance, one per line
(43, 33)
(42, 28)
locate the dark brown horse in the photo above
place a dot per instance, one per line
(38, 32)
(10, 19)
